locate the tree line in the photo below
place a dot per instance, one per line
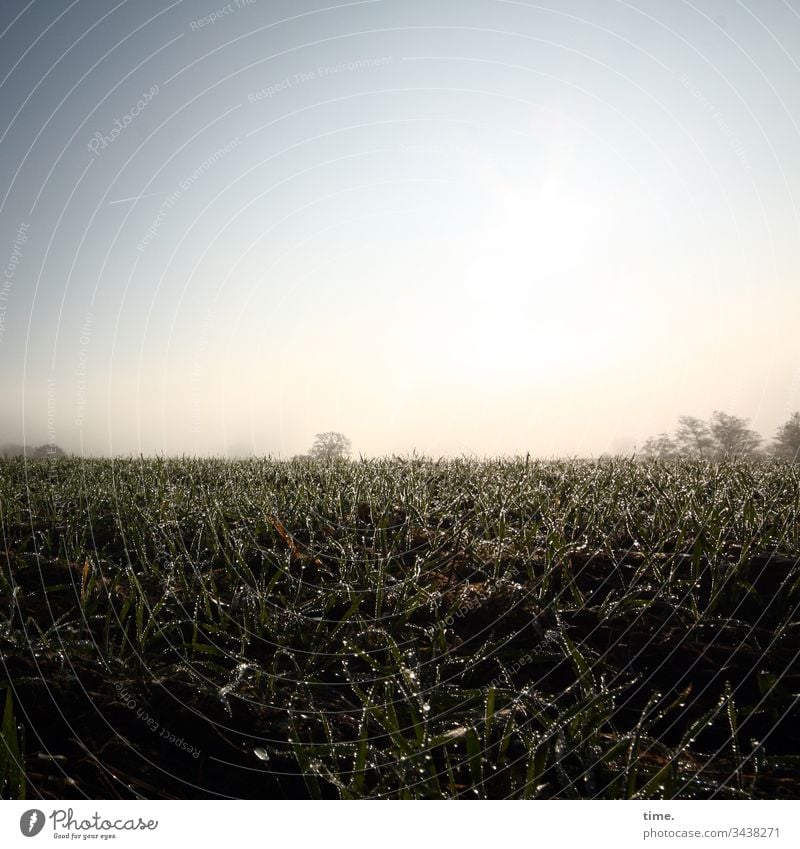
(722, 436)
(12, 449)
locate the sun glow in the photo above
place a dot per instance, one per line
(529, 279)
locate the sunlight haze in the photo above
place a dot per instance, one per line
(476, 227)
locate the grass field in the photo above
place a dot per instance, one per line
(399, 628)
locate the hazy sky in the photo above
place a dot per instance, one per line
(472, 226)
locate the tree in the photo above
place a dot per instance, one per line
(328, 445)
(662, 447)
(694, 436)
(786, 443)
(732, 436)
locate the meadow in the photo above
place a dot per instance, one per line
(399, 628)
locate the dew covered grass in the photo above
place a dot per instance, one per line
(403, 628)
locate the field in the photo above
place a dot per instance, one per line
(400, 628)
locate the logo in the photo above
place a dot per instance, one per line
(31, 822)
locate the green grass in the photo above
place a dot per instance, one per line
(12, 773)
(400, 628)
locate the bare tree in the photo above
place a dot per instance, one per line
(786, 443)
(694, 437)
(328, 445)
(662, 447)
(732, 436)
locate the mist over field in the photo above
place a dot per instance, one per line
(478, 228)
(399, 399)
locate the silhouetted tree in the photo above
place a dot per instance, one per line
(723, 435)
(330, 444)
(786, 443)
(732, 436)
(662, 447)
(694, 437)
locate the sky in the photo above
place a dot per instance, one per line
(479, 227)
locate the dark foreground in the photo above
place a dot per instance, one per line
(399, 628)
